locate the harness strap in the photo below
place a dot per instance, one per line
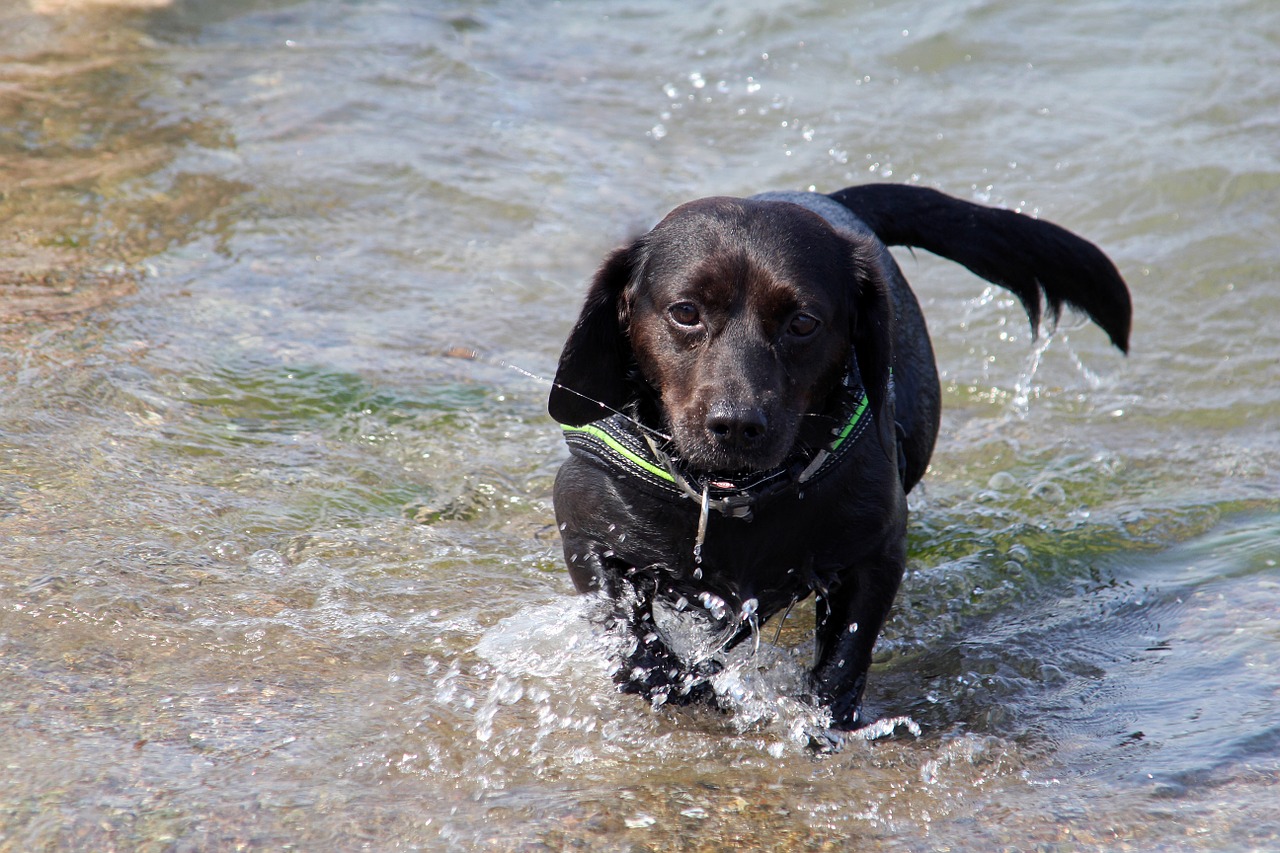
(622, 446)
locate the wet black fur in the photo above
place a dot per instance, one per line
(843, 538)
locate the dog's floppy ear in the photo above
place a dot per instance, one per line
(591, 379)
(872, 327)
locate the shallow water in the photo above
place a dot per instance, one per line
(279, 572)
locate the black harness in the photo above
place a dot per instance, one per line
(620, 445)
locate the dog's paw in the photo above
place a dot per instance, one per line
(833, 738)
(825, 741)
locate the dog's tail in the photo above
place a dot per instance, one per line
(1027, 256)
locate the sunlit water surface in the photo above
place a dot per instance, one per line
(280, 573)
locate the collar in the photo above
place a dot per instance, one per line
(621, 445)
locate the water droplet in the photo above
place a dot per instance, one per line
(1001, 480)
(1049, 492)
(267, 561)
(714, 604)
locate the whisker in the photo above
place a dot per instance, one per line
(473, 355)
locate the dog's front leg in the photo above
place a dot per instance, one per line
(647, 666)
(650, 667)
(587, 562)
(849, 619)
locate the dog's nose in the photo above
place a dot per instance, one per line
(737, 426)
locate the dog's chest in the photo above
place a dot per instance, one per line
(791, 546)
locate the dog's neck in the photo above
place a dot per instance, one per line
(627, 443)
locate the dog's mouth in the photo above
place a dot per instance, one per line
(725, 466)
(793, 439)
(726, 441)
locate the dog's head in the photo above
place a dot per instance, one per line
(735, 320)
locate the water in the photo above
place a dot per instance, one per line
(280, 572)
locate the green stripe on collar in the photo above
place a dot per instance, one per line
(853, 422)
(617, 447)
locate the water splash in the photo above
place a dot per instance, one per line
(547, 672)
(886, 728)
(695, 635)
(549, 641)
(1025, 387)
(547, 668)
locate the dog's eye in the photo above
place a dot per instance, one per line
(803, 325)
(684, 314)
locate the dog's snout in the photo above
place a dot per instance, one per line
(737, 426)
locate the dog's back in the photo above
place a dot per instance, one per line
(1027, 256)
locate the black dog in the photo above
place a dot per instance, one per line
(748, 396)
